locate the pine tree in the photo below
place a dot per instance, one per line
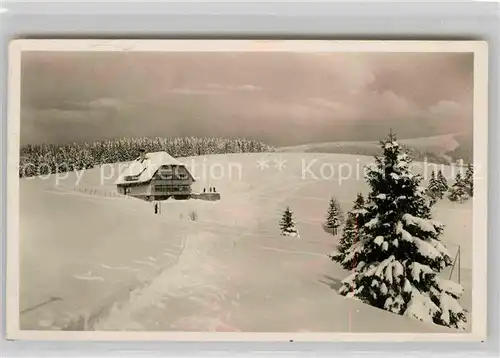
(399, 255)
(434, 189)
(469, 179)
(458, 191)
(334, 216)
(358, 210)
(443, 184)
(287, 224)
(350, 234)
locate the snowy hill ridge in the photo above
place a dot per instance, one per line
(440, 149)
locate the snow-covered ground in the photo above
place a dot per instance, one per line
(438, 145)
(91, 259)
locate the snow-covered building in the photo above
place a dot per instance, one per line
(156, 176)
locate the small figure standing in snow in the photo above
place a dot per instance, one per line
(156, 208)
(287, 225)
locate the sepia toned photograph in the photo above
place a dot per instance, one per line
(241, 189)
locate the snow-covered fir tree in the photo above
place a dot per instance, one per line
(443, 183)
(333, 216)
(458, 191)
(399, 255)
(434, 188)
(287, 224)
(469, 179)
(350, 234)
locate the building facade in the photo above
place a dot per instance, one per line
(156, 176)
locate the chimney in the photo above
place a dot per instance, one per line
(142, 155)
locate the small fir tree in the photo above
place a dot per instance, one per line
(287, 224)
(458, 191)
(469, 180)
(350, 234)
(434, 189)
(443, 184)
(333, 216)
(399, 255)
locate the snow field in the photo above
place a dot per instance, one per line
(235, 271)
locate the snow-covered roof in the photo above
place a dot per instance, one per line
(143, 171)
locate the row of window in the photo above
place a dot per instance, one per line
(167, 172)
(171, 188)
(171, 176)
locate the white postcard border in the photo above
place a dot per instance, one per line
(480, 200)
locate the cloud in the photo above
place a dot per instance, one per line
(107, 103)
(102, 103)
(325, 103)
(284, 96)
(214, 89)
(446, 109)
(56, 115)
(249, 88)
(390, 104)
(451, 116)
(367, 105)
(236, 88)
(194, 91)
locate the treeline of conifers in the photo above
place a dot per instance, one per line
(43, 159)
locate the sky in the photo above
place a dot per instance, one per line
(280, 98)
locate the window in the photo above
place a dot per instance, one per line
(180, 173)
(171, 188)
(162, 188)
(164, 175)
(172, 173)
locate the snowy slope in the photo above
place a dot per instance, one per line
(442, 147)
(229, 270)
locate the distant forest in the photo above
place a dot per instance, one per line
(42, 159)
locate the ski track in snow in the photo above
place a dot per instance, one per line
(189, 279)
